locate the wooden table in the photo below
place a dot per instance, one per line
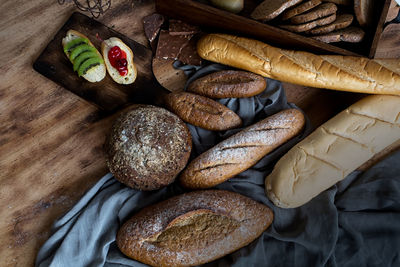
(50, 139)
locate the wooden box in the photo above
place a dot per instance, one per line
(217, 20)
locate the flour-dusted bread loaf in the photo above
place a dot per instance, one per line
(86, 59)
(193, 228)
(202, 111)
(124, 70)
(346, 73)
(147, 147)
(242, 150)
(334, 150)
(228, 83)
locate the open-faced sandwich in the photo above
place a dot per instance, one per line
(118, 58)
(86, 59)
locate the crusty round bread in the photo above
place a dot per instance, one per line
(193, 228)
(147, 147)
(129, 78)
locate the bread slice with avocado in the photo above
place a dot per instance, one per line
(118, 58)
(86, 59)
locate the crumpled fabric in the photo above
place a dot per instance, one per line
(354, 223)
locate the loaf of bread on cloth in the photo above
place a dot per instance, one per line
(334, 150)
(346, 73)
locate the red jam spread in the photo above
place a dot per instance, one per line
(117, 58)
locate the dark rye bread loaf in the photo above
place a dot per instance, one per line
(193, 228)
(202, 111)
(228, 83)
(242, 150)
(147, 147)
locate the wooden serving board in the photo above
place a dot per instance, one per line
(107, 94)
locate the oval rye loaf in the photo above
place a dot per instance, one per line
(193, 228)
(202, 111)
(228, 83)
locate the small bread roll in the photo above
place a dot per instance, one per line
(130, 77)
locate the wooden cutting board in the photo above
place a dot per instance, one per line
(107, 94)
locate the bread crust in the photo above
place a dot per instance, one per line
(147, 147)
(310, 25)
(318, 12)
(342, 21)
(301, 8)
(346, 73)
(193, 228)
(132, 70)
(202, 111)
(334, 150)
(349, 34)
(228, 83)
(270, 9)
(242, 150)
(101, 71)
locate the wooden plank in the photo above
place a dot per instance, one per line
(216, 19)
(107, 94)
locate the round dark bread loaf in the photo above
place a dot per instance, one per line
(147, 147)
(193, 228)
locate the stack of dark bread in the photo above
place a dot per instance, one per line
(324, 20)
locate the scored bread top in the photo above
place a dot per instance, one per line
(130, 77)
(346, 73)
(334, 150)
(193, 228)
(242, 150)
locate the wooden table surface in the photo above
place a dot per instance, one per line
(50, 139)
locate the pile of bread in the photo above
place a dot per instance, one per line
(325, 20)
(149, 147)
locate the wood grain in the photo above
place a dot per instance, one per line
(107, 94)
(219, 20)
(170, 78)
(393, 11)
(389, 43)
(51, 139)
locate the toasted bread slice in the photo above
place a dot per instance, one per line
(94, 73)
(130, 77)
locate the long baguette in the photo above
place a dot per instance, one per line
(334, 150)
(346, 73)
(242, 150)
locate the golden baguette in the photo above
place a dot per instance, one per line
(242, 150)
(345, 73)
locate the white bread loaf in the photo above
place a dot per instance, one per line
(94, 74)
(130, 77)
(334, 150)
(346, 73)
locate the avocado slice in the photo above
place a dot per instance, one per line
(75, 42)
(88, 64)
(80, 49)
(82, 57)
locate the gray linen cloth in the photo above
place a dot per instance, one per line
(354, 223)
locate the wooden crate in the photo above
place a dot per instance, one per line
(216, 20)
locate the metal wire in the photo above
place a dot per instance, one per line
(95, 7)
